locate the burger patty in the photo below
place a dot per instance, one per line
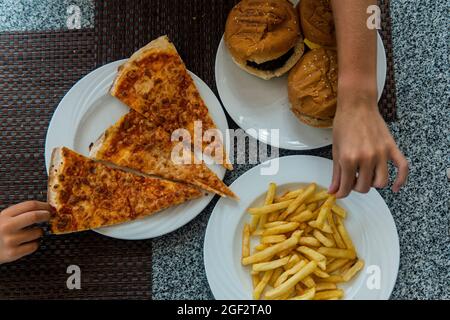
(272, 64)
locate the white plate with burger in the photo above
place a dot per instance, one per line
(367, 221)
(87, 110)
(255, 93)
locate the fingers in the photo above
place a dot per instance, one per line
(348, 175)
(29, 218)
(365, 177)
(336, 180)
(25, 249)
(381, 178)
(26, 206)
(27, 235)
(401, 163)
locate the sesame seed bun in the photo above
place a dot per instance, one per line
(312, 87)
(259, 32)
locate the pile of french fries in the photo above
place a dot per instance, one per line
(304, 249)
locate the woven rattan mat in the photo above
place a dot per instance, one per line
(36, 70)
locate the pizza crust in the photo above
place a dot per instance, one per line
(56, 165)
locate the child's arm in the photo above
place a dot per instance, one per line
(18, 233)
(362, 142)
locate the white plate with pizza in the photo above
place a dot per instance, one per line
(368, 222)
(258, 105)
(87, 110)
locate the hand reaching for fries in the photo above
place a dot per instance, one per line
(304, 249)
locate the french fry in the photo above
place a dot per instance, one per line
(325, 210)
(262, 284)
(262, 222)
(258, 232)
(286, 295)
(303, 216)
(350, 273)
(274, 216)
(285, 214)
(270, 193)
(333, 279)
(321, 286)
(307, 295)
(254, 223)
(292, 281)
(309, 282)
(321, 195)
(269, 208)
(300, 209)
(321, 274)
(264, 266)
(268, 200)
(291, 195)
(275, 275)
(293, 260)
(329, 294)
(246, 241)
(270, 251)
(344, 235)
(337, 237)
(273, 239)
(339, 211)
(311, 206)
(261, 246)
(309, 241)
(283, 277)
(283, 228)
(323, 239)
(337, 253)
(285, 253)
(302, 197)
(274, 224)
(255, 280)
(346, 266)
(336, 264)
(325, 228)
(313, 255)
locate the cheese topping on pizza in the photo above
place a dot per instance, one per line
(87, 194)
(155, 83)
(139, 144)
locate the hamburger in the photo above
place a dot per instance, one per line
(317, 23)
(263, 37)
(312, 87)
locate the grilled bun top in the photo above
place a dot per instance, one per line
(317, 22)
(312, 85)
(261, 30)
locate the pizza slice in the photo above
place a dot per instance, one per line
(135, 142)
(155, 82)
(87, 194)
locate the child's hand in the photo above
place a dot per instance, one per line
(363, 145)
(18, 234)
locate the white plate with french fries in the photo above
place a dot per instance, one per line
(287, 238)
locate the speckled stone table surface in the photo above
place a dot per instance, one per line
(421, 210)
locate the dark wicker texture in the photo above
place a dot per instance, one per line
(387, 103)
(36, 70)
